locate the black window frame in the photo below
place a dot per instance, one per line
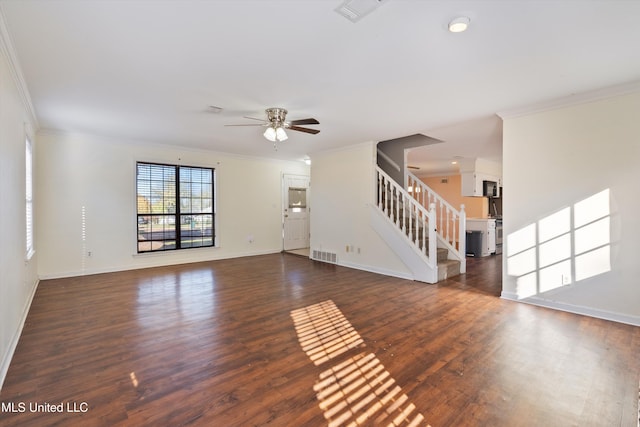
(163, 221)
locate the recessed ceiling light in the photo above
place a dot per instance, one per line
(459, 24)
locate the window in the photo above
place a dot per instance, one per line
(297, 197)
(29, 198)
(175, 207)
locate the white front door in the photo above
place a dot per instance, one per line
(295, 211)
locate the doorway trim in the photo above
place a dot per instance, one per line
(295, 220)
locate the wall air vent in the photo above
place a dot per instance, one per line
(354, 10)
(324, 256)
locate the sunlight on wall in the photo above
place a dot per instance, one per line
(522, 259)
(554, 251)
(592, 222)
(357, 391)
(565, 247)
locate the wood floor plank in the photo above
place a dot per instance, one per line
(214, 343)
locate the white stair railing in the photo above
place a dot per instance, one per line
(412, 218)
(450, 224)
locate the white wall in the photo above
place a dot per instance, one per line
(87, 203)
(560, 166)
(342, 193)
(18, 279)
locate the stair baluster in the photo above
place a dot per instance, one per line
(450, 222)
(408, 215)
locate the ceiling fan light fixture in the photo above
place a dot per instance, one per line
(276, 125)
(270, 134)
(459, 24)
(281, 135)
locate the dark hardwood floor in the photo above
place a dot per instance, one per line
(281, 340)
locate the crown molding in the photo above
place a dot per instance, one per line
(7, 49)
(577, 99)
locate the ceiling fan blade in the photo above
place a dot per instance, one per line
(306, 130)
(253, 118)
(308, 121)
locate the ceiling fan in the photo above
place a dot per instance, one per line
(276, 124)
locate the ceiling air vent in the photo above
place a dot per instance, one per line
(354, 10)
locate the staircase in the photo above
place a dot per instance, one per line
(421, 227)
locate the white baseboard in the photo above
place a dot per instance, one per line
(6, 358)
(382, 271)
(576, 309)
(90, 271)
(509, 295)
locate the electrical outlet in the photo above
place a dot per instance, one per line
(566, 279)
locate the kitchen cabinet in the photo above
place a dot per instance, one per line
(488, 228)
(471, 183)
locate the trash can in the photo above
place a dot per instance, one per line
(474, 243)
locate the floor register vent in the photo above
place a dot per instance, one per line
(324, 256)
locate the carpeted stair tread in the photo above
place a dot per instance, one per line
(448, 268)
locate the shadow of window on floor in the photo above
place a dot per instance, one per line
(357, 391)
(324, 332)
(360, 392)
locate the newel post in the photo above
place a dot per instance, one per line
(433, 240)
(462, 240)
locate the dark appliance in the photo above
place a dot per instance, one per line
(474, 243)
(489, 188)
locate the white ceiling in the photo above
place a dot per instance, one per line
(148, 70)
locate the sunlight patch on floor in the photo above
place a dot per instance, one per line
(324, 332)
(357, 391)
(360, 391)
